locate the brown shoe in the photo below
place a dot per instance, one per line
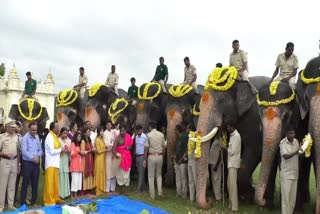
(60, 202)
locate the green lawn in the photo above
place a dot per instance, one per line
(175, 205)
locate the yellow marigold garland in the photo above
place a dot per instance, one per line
(146, 89)
(216, 78)
(180, 90)
(95, 88)
(31, 102)
(114, 107)
(277, 102)
(196, 145)
(194, 111)
(274, 87)
(308, 150)
(308, 80)
(191, 143)
(224, 138)
(64, 100)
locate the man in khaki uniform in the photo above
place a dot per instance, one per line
(83, 81)
(9, 164)
(153, 152)
(234, 151)
(289, 150)
(215, 167)
(288, 64)
(113, 79)
(190, 75)
(239, 59)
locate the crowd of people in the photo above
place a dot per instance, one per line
(86, 162)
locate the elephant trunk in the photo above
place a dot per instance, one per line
(174, 118)
(93, 116)
(271, 138)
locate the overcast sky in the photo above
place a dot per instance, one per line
(64, 35)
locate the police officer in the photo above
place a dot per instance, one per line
(9, 164)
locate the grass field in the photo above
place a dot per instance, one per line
(176, 205)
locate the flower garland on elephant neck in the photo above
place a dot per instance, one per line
(64, 100)
(308, 150)
(224, 138)
(144, 96)
(114, 106)
(95, 88)
(216, 77)
(194, 111)
(273, 88)
(308, 80)
(194, 146)
(30, 102)
(180, 90)
(277, 102)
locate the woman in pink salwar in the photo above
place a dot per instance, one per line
(121, 150)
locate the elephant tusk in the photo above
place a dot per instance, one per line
(207, 137)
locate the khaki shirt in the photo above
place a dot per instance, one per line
(289, 167)
(9, 143)
(83, 79)
(190, 73)
(112, 79)
(234, 150)
(155, 141)
(287, 65)
(238, 59)
(214, 151)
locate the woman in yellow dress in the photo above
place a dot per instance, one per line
(100, 163)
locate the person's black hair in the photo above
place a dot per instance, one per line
(290, 45)
(219, 65)
(290, 127)
(18, 123)
(99, 130)
(132, 79)
(52, 124)
(75, 138)
(152, 125)
(84, 132)
(28, 73)
(113, 66)
(186, 59)
(72, 125)
(63, 129)
(109, 121)
(81, 69)
(32, 123)
(235, 41)
(231, 124)
(161, 57)
(122, 126)
(138, 127)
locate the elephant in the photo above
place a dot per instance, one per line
(100, 97)
(182, 102)
(27, 110)
(70, 107)
(229, 100)
(308, 96)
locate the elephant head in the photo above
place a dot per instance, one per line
(100, 97)
(181, 101)
(70, 108)
(276, 105)
(28, 110)
(225, 100)
(151, 105)
(308, 96)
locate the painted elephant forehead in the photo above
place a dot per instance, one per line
(30, 109)
(66, 97)
(95, 88)
(149, 91)
(180, 90)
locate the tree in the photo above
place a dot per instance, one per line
(2, 69)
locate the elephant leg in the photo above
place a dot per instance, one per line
(270, 188)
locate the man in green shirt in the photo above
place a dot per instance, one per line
(133, 91)
(161, 75)
(30, 86)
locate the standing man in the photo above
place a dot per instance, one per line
(31, 154)
(288, 64)
(153, 153)
(9, 164)
(83, 81)
(190, 75)
(215, 163)
(140, 141)
(181, 166)
(239, 59)
(234, 151)
(52, 165)
(30, 87)
(133, 91)
(113, 79)
(161, 75)
(289, 150)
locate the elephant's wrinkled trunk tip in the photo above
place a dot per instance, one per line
(259, 195)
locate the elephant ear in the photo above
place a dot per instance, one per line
(244, 97)
(44, 115)
(14, 112)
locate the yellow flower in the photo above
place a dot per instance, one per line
(308, 80)
(194, 111)
(277, 102)
(274, 87)
(30, 102)
(114, 106)
(308, 150)
(216, 77)
(144, 96)
(95, 88)
(66, 97)
(180, 90)
(224, 138)
(191, 143)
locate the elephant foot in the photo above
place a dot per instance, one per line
(206, 205)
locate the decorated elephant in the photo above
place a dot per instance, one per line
(70, 107)
(100, 97)
(27, 110)
(182, 104)
(228, 100)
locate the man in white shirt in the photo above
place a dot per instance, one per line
(139, 142)
(83, 81)
(113, 79)
(52, 165)
(190, 75)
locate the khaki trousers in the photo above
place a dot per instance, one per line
(292, 81)
(82, 92)
(182, 180)
(288, 195)
(9, 170)
(233, 188)
(216, 181)
(194, 87)
(161, 82)
(155, 171)
(192, 177)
